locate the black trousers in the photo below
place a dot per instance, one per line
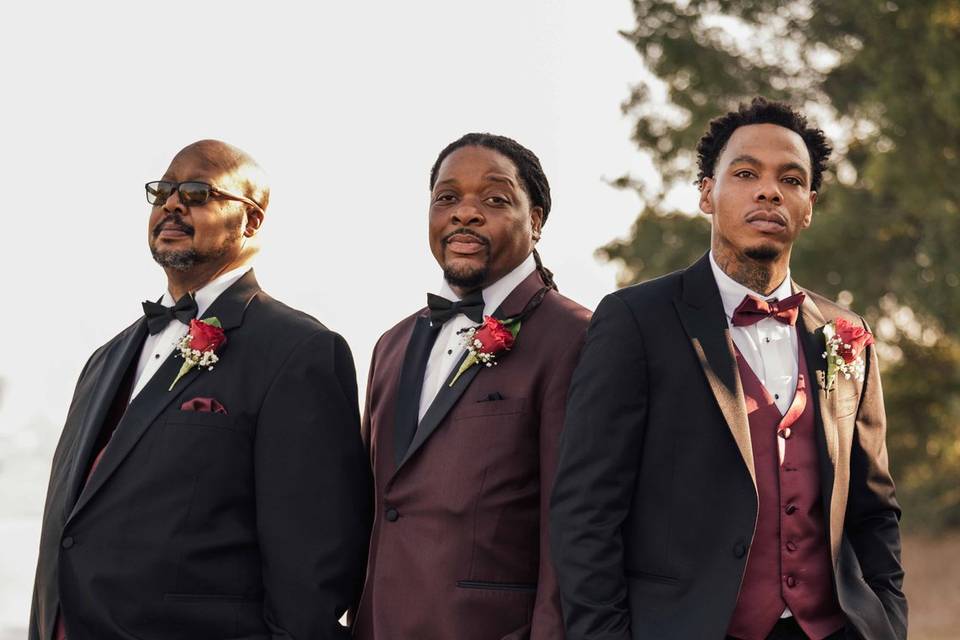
(788, 629)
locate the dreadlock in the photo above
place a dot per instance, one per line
(532, 178)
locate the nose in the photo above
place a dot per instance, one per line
(769, 191)
(173, 203)
(466, 214)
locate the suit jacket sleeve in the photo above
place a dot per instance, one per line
(600, 447)
(547, 623)
(872, 520)
(313, 490)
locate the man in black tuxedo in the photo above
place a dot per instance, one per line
(232, 501)
(716, 478)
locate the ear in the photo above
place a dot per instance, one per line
(536, 222)
(706, 189)
(253, 221)
(807, 219)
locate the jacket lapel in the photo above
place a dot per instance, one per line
(411, 384)
(448, 395)
(155, 396)
(123, 354)
(701, 313)
(833, 478)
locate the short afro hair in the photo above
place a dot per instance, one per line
(762, 111)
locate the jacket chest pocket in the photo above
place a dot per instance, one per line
(489, 409)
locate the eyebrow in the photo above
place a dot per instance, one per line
(490, 177)
(748, 159)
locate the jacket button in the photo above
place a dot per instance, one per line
(785, 433)
(789, 509)
(739, 550)
(67, 542)
(791, 582)
(392, 514)
(791, 545)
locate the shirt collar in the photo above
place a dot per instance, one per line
(496, 293)
(732, 292)
(209, 292)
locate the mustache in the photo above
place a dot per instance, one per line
(463, 231)
(176, 220)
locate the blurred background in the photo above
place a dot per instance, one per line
(347, 106)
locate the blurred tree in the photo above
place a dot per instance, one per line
(883, 79)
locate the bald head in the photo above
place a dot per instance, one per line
(239, 171)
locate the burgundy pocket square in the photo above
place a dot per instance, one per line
(204, 405)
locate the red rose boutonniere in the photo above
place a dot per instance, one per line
(199, 346)
(846, 342)
(485, 342)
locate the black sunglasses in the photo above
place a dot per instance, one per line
(192, 193)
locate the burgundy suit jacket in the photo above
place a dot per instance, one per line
(460, 545)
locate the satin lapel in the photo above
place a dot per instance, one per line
(701, 313)
(155, 396)
(411, 384)
(810, 334)
(122, 355)
(448, 395)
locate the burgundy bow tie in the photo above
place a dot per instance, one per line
(753, 310)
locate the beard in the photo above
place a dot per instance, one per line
(763, 253)
(186, 259)
(466, 279)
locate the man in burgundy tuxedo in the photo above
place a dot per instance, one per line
(717, 478)
(464, 456)
(190, 502)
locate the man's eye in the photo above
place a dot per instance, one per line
(498, 201)
(444, 197)
(794, 181)
(743, 173)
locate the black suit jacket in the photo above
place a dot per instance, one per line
(655, 497)
(195, 525)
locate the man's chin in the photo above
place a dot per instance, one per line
(763, 253)
(183, 260)
(464, 275)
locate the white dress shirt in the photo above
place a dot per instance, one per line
(448, 348)
(157, 348)
(768, 346)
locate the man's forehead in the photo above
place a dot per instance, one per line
(766, 143)
(191, 166)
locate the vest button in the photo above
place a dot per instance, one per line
(791, 545)
(67, 542)
(739, 550)
(785, 433)
(791, 582)
(790, 509)
(392, 514)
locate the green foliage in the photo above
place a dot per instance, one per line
(884, 79)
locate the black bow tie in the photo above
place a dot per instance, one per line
(442, 309)
(159, 316)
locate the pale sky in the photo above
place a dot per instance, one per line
(346, 106)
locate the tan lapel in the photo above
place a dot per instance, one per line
(701, 313)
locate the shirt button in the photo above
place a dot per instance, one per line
(790, 509)
(67, 542)
(156, 355)
(766, 339)
(392, 514)
(791, 582)
(776, 396)
(791, 545)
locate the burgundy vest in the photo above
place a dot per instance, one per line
(789, 563)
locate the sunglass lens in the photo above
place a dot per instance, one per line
(158, 192)
(194, 192)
